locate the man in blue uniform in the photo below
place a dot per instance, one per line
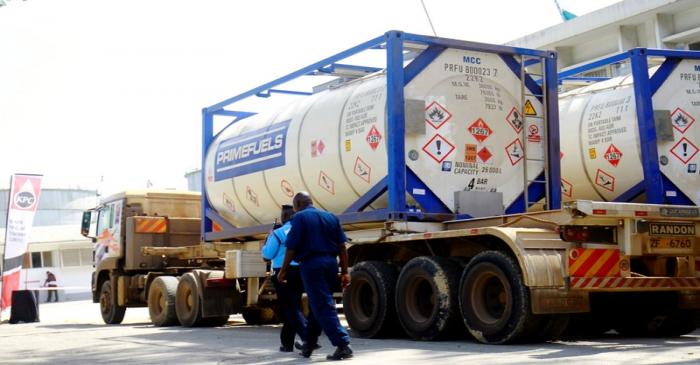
(288, 294)
(315, 240)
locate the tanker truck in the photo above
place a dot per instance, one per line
(443, 165)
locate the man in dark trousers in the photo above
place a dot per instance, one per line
(50, 282)
(315, 241)
(289, 293)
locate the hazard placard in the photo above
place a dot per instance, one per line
(362, 169)
(681, 120)
(605, 180)
(529, 109)
(373, 138)
(480, 130)
(566, 188)
(436, 115)
(613, 155)
(485, 155)
(252, 196)
(684, 150)
(515, 151)
(317, 147)
(287, 188)
(326, 182)
(470, 153)
(438, 148)
(515, 120)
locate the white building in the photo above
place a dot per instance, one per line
(55, 243)
(669, 24)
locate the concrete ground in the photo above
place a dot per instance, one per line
(73, 333)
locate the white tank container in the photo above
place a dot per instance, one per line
(333, 144)
(601, 156)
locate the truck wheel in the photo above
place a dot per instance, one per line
(161, 301)
(369, 301)
(111, 312)
(494, 301)
(187, 302)
(256, 316)
(426, 297)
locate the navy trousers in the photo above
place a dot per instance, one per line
(320, 273)
(289, 301)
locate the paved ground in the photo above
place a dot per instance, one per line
(73, 333)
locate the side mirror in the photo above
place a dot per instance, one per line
(87, 222)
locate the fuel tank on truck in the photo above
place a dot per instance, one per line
(464, 135)
(600, 136)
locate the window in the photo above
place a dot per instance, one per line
(76, 257)
(41, 259)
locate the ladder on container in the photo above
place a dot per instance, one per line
(536, 63)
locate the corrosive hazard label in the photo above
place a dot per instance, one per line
(436, 115)
(515, 120)
(613, 155)
(566, 188)
(605, 180)
(681, 120)
(529, 109)
(515, 151)
(480, 130)
(362, 169)
(326, 182)
(438, 148)
(373, 138)
(684, 150)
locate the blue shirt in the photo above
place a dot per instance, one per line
(275, 248)
(315, 232)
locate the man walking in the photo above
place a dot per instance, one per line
(315, 240)
(289, 293)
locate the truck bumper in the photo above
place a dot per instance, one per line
(616, 284)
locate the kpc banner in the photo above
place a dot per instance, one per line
(24, 198)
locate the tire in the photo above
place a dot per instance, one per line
(426, 298)
(552, 326)
(368, 302)
(161, 301)
(187, 301)
(494, 301)
(256, 316)
(111, 312)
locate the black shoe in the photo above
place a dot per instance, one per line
(300, 346)
(286, 348)
(341, 352)
(307, 349)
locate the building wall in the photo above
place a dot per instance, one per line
(55, 243)
(667, 24)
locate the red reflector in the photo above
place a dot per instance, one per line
(640, 213)
(599, 211)
(220, 282)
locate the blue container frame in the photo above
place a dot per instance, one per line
(400, 179)
(659, 189)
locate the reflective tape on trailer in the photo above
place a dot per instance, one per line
(632, 284)
(151, 225)
(594, 262)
